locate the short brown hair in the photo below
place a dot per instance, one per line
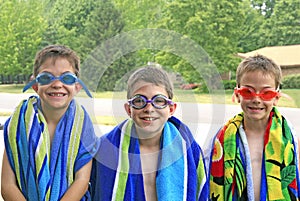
(150, 74)
(54, 52)
(259, 63)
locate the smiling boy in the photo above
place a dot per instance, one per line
(49, 138)
(255, 155)
(151, 156)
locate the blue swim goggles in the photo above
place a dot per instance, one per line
(158, 101)
(66, 78)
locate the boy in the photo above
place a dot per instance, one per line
(255, 155)
(49, 137)
(152, 155)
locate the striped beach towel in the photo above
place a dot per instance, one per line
(180, 175)
(45, 172)
(280, 171)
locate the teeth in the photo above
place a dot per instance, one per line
(149, 119)
(55, 94)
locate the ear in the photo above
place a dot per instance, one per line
(172, 108)
(127, 109)
(276, 100)
(78, 87)
(35, 87)
(235, 97)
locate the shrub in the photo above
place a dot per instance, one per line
(291, 81)
(229, 84)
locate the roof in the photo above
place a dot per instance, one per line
(283, 55)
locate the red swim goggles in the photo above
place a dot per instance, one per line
(249, 93)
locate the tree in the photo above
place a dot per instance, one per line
(283, 27)
(214, 25)
(104, 22)
(22, 25)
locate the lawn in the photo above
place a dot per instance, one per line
(221, 97)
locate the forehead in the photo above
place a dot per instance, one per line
(258, 78)
(58, 63)
(146, 88)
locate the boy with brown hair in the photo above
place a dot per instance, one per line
(255, 155)
(152, 155)
(49, 138)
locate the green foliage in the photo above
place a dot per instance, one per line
(221, 28)
(291, 82)
(22, 26)
(283, 27)
(213, 25)
(229, 84)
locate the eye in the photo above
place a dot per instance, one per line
(159, 101)
(44, 79)
(269, 94)
(138, 101)
(247, 91)
(69, 79)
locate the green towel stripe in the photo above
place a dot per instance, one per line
(12, 134)
(124, 163)
(74, 141)
(29, 114)
(201, 175)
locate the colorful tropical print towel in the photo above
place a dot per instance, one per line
(280, 176)
(45, 172)
(117, 171)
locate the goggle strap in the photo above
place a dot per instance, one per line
(29, 85)
(85, 88)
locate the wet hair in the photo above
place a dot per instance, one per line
(150, 74)
(259, 63)
(54, 52)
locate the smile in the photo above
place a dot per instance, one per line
(148, 118)
(57, 94)
(255, 108)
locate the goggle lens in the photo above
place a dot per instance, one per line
(47, 78)
(158, 101)
(249, 93)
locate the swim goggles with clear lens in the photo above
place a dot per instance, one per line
(249, 93)
(66, 78)
(158, 101)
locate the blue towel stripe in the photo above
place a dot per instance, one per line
(40, 177)
(177, 166)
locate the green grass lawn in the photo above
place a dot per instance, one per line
(180, 96)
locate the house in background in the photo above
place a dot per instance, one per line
(288, 57)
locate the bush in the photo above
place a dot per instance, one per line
(291, 82)
(229, 84)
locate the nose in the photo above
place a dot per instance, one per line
(149, 107)
(56, 83)
(256, 98)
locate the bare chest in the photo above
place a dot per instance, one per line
(149, 168)
(256, 154)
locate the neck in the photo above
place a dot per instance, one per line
(53, 116)
(150, 143)
(257, 126)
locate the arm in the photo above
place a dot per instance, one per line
(9, 187)
(80, 184)
(299, 154)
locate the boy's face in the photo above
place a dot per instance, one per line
(56, 95)
(149, 121)
(256, 108)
